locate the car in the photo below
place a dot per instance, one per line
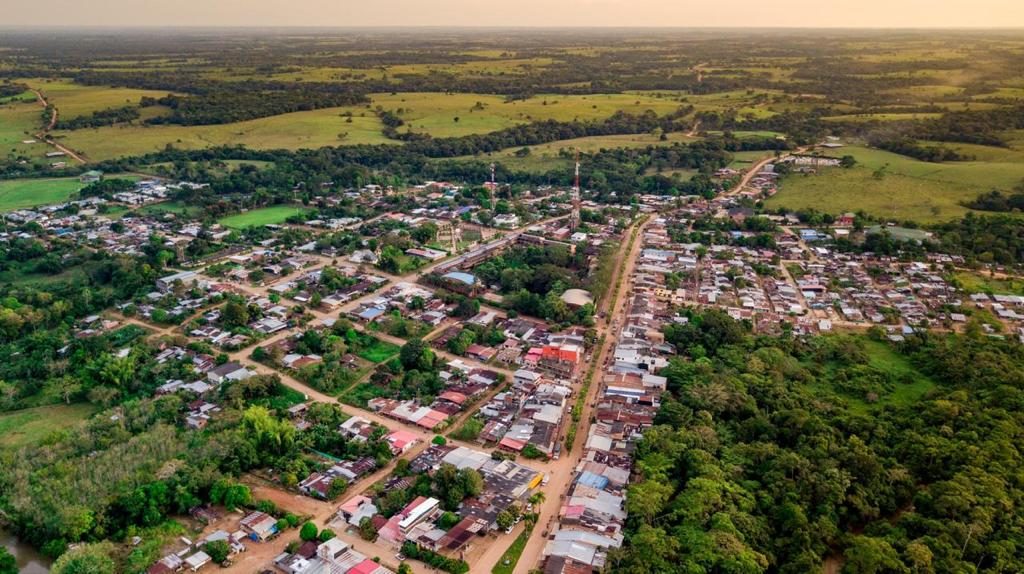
(547, 478)
(400, 557)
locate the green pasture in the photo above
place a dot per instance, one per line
(894, 186)
(263, 216)
(30, 426)
(23, 193)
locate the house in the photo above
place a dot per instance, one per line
(198, 560)
(91, 176)
(401, 441)
(186, 278)
(260, 526)
(230, 371)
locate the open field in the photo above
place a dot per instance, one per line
(979, 283)
(545, 157)
(378, 351)
(74, 100)
(911, 387)
(30, 426)
(263, 216)
(296, 130)
(890, 185)
(436, 113)
(22, 193)
(174, 207)
(19, 121)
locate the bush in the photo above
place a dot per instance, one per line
(308, 532)
(326, 534)
(451, 565)
(218, 550)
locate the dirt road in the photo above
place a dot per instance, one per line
(561, 472)
(45, 134)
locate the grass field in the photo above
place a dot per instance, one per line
(22, 193)
(378, 351)
(885, 359)
(435, 113)
(175, 207)
(263, 216)
(894, 186)
(73, 100)
(978, 283)
(19, 120)
(545, 157)
(297, 130)
(30, 426)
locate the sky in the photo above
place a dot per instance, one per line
(517, 13)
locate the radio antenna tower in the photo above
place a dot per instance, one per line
(494, 186)
(574, 219)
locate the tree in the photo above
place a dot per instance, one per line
(218, 550)
(505, 520)
(235, 314)
(308, 531)
(366, 529)
(86, 559)
(326, 534)
(869, 555)
(8, 565)
(416, 356)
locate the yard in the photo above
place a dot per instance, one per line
(262, 216)
(25, 193)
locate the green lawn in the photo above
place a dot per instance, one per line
(378, 351)
(22, 193)
(175, 207)
(894, 186)
(507, 563)
(30, 426)
(262, 216)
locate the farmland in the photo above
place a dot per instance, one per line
(22, 193)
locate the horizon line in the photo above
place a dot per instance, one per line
(83, 27)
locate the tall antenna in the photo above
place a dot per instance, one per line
(493, 186)
(574, 219)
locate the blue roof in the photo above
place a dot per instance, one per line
(588, 478)
(371, 313)
(462, 277)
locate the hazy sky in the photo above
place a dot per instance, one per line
(775, 13)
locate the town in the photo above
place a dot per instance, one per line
(471, 383)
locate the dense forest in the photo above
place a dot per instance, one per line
(773, 454)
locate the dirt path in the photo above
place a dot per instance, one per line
(45, 134)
